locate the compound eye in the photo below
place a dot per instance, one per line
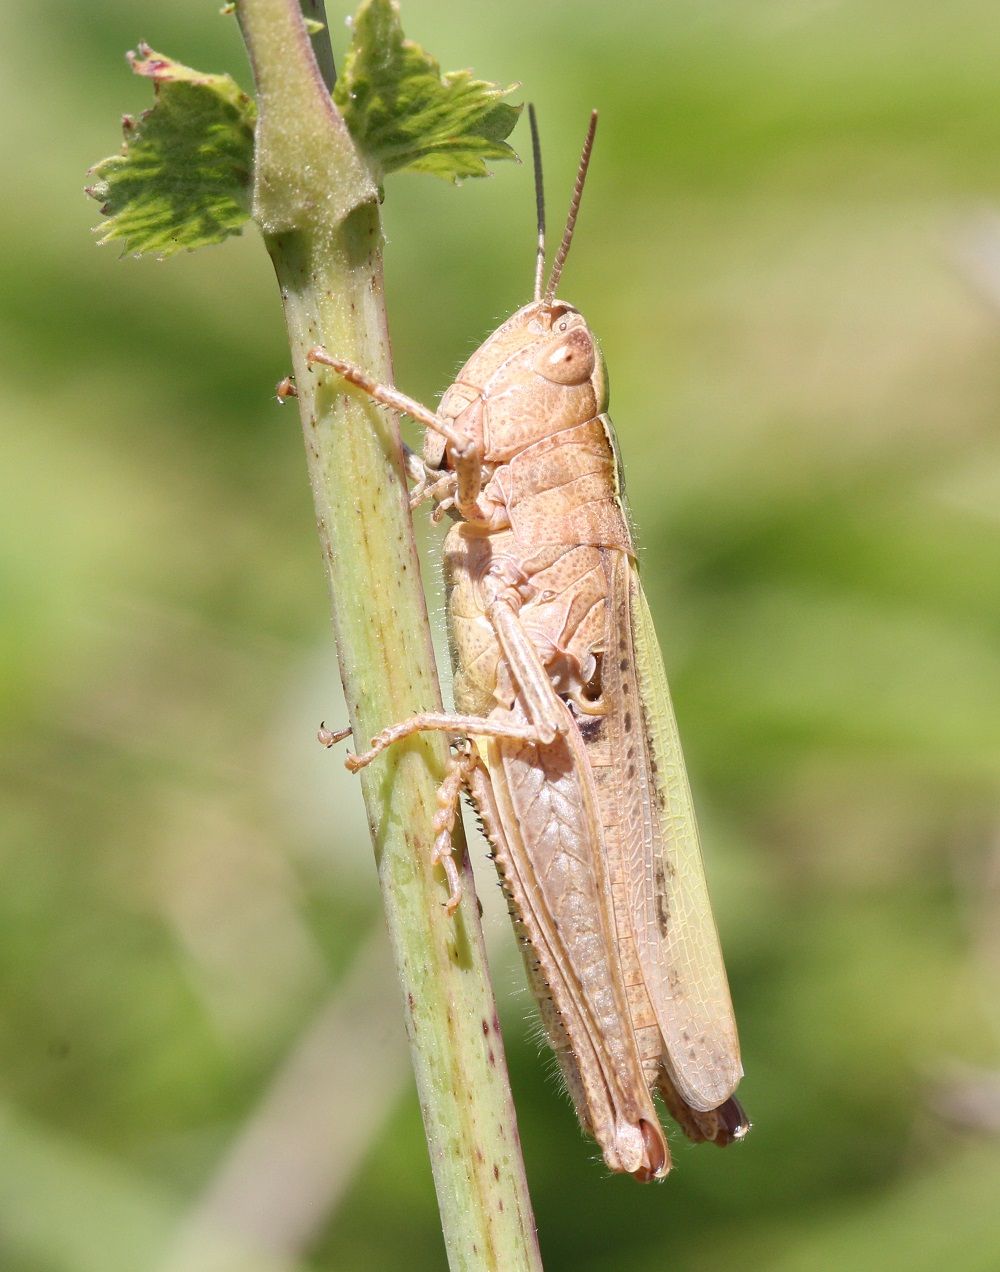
(569, 359)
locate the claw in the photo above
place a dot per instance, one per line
(330, 737)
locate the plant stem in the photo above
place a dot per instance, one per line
(321, 45)
(316, 205)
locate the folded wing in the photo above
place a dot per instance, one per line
(676, 941)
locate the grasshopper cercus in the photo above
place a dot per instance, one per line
(571, 752)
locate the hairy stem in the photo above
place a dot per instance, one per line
(316, 204)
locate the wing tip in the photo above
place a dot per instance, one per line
(723, 1124)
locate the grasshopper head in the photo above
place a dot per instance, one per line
(566, 352)
(541, 371)
(538, 373)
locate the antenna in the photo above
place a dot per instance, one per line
(574, 208)
(536, 154)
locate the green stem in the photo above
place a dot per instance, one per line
(321, 46)
(316, 205)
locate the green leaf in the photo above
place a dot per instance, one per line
(403, 113)
(182, 178)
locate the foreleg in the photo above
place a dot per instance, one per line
(464, 454)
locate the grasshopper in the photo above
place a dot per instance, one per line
(565, 735)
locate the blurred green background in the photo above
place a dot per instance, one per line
(790, 247)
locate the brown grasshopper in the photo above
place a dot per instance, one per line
(569, 744)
